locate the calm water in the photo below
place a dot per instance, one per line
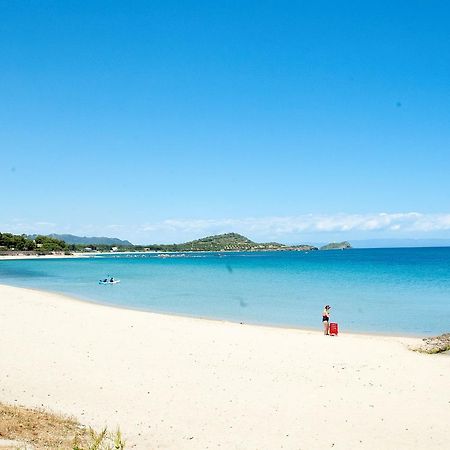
(403, 291)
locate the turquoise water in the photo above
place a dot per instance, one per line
(404, 291)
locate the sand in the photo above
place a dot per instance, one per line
(52, 256)
(182, 383)
(72, 255)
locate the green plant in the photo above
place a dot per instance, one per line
(103, 440)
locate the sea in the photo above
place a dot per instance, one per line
(401, 291)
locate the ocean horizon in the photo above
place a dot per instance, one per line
(391, 291)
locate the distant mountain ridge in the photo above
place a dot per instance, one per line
(84, 240)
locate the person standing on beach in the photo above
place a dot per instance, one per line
(326, 319)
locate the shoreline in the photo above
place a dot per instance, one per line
(95, 254)
(317, 329)
(250, 386)
(58, 256)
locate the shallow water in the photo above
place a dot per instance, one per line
(404, 291)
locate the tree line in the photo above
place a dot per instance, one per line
(44, 244)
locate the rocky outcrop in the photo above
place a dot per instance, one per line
(437, 344)
(337, 246)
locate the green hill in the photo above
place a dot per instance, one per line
(227, 242)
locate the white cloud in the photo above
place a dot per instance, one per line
(300, 228)
(310, 223)
(44, 224)
(20, 226)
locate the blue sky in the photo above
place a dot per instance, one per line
(161, 121)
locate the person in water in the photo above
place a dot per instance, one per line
(111, 280)
(326, 319)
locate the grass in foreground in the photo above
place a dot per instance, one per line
(44, 430)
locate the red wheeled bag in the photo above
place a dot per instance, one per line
(334, 329)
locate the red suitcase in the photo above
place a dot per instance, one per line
(334, 329)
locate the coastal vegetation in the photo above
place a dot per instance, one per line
(222, 242)
(39, 244)
(39, 429)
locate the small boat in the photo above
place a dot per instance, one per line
(108, 281)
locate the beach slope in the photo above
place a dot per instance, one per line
(181, 383)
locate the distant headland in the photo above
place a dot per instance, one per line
(67, 244)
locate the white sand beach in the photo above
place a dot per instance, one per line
(52, 256)
(182, 383)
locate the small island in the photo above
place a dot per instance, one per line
(337, 246)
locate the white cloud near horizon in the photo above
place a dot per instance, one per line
(312, 227)
(409, 222)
